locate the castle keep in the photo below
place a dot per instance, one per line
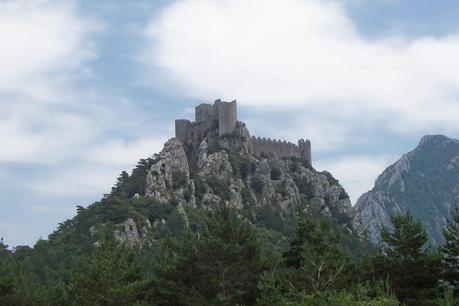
(220, 119)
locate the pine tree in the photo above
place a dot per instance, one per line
(221, 266)
(413, 271)
(6, 276)
(451, 252)
(315, 262)
(110, 276)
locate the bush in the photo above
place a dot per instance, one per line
(257, 185)
(246, 195)
(275, 173)
(200, 188)
(178, 180)
(241, 166)
(219, 187)
(304, 187)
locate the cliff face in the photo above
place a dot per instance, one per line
(212, 171)
(424, 182)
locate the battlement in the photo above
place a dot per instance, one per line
(221, 117)
(281, 148)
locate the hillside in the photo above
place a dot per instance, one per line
(221, 218)
(205, 170)
(424, 182)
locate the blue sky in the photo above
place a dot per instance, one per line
(87, 88)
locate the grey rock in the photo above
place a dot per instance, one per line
(424, 182)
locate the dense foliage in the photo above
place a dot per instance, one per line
(224, 257)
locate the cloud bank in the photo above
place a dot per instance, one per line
(301, 54)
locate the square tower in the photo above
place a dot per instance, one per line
(227, 116)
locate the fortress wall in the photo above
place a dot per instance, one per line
(280, 148)
(205, 112)
(208, 114)
(227, 117)
(224, 116)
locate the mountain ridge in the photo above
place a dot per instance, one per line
(423, 181)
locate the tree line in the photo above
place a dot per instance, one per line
(226, 263)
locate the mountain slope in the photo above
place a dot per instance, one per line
(172, 191)
(204, 174)
(424, 182)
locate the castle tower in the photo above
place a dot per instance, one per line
(227, 116)
(182, 127)
(305, 149)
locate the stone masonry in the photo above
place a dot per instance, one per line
(222, 117)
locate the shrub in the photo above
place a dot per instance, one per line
(246, 195)
(200, 188)
(178, 180)
(304, 186)
(275, 173)
(241, 166)
(219, 187)
(257, 185)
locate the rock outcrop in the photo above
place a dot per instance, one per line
(207, 165)
(224, 171)
(424, 182)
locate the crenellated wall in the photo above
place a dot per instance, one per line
(220, 119)
(281, 148)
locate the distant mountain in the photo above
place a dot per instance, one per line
(424, 182)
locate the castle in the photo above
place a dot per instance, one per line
(220, 119)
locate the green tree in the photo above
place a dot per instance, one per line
(110, 276)
(220, 266)
(450, 252)
(413, 270)
(6, 275)
(316, 262)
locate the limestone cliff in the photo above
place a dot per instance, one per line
(216, 170)
(424, 182)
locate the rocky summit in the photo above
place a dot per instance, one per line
(424, 182)
(205, 166)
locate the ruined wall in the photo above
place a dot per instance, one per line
(208, 114)
(219, 119)
(281, 148)
(182, 128)
(227, 117)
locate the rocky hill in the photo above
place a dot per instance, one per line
(268, 183)
(225, 172)
(424, 182)
(203, 168)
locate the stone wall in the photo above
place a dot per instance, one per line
(208, 114)
(281, 148)
(227, 117)
(221, 119)
(182, 128)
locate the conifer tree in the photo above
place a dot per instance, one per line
(110, 276)
(451, 252)
(220, 266)
(413, 270)
(315, 262)
(6, 277)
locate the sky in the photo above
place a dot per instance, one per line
(87, 88)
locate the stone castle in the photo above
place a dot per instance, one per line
(220, 120)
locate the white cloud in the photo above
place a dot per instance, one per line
(80, 180)
(118, 152)
(356, 174)
(41, 42)
(299, 54)
(45, 47)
